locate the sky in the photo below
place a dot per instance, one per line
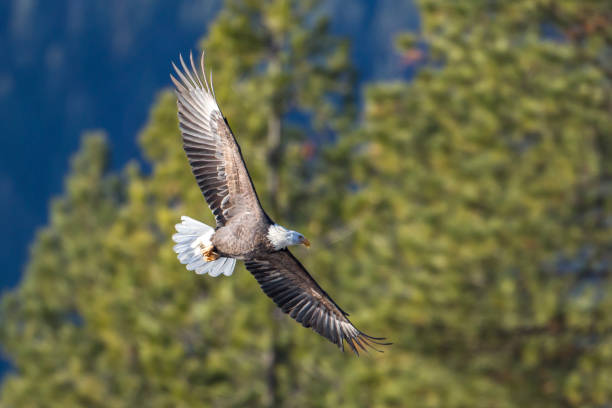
(70, 66)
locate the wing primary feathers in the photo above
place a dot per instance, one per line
(302, 313)
(294, 305)
(356, 340)
(325, 326)
(180, 74)
(349, 341)
(287, 295)
(339, 335)
(212, 86)
(333, 331)
(296, 293)
(294, 312)
(195, 71)
(176, 83)
(306, 319)
(375, 339)
(185, 81)
(316, 318)
(276, 292)
(187, 71)
(204, 72)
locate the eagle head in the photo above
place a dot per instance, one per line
(281, 237)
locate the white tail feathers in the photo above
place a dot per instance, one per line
(190, 234)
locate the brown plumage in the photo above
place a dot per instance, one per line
(244, 231)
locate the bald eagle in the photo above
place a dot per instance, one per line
(244, 231)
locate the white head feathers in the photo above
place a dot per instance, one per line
(281, 237)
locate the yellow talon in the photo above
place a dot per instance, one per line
(208, 253)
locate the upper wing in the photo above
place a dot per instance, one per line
(286, 281)
(211, 148)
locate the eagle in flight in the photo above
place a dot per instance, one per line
(244, 231)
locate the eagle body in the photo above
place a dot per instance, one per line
(244, 239)
(243, 230)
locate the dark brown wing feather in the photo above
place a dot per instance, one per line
(211, 148)
(295, 292)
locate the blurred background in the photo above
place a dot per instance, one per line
(451, 162)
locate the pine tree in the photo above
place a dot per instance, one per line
(47, 322)
(478, 198)
(467, 219)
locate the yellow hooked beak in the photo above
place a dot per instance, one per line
(306, 242)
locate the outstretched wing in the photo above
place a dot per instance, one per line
(212, 150)
(283, 278)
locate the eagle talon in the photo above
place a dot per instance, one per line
(209, 253)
